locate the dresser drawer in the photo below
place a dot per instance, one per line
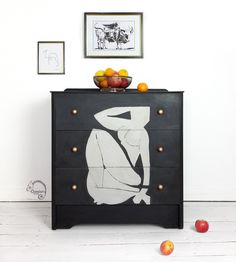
(98, 147)
(114, 186)
(78, 111)
(165, 185)
(161, 215)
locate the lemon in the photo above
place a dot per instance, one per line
(100, 74)
(123, 72)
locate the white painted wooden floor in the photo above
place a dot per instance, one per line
(25, 235)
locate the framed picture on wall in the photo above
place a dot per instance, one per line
(51, 57)
(113, 35)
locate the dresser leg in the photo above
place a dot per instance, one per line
(53, 219)
(181, 218)
(54, 227)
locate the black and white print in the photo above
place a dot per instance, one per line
(112, 177)
(113, 35)
(51, 57)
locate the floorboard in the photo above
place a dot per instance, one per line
(26, 235)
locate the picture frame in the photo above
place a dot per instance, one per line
(113, 35)
(51, 57)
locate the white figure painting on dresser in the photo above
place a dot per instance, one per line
(111, 177)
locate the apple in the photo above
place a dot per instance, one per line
(166, 247)
(201, 226)
(124, 82)
(114, 80)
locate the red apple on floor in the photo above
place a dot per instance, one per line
(114, 81)
(167, 247)
(201, 226)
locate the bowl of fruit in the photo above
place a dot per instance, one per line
(111, 80)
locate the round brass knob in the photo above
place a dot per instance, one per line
(74, 187)
(160, 112)
(160, 149)
(74, 111)
(74, 149)
(160, 187)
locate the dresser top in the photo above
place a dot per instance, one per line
(127, 91)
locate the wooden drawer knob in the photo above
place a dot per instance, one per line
(160, 112)
(74, 187)
(160, 149)
(160, 187)
(74, 149)
(74, 112)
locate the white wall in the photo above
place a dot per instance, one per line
(188, 45)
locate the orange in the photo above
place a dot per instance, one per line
(109, 72)
(142, 87)
(104, 84)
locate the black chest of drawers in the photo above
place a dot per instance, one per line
(117, 158)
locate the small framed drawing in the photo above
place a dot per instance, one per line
(113, 35)
(51, 57)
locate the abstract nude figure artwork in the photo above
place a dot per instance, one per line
(111, 177)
